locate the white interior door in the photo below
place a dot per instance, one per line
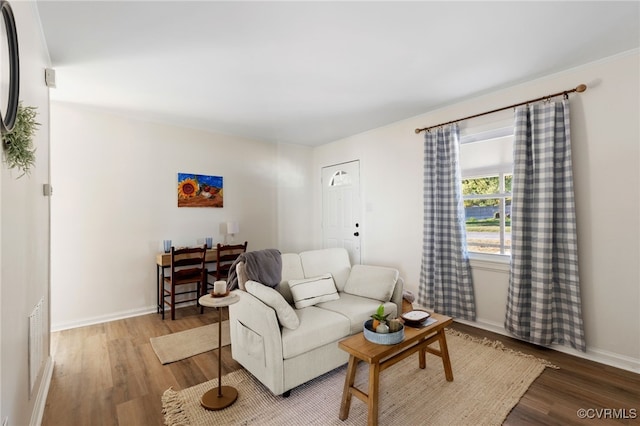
(341, 225)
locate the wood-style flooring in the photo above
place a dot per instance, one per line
(108, 374)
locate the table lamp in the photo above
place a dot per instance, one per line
(232, 229)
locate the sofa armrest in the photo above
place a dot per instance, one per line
(256, 340)
(396, 297)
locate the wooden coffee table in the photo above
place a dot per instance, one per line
(381, 357)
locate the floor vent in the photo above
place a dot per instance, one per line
(36, 330)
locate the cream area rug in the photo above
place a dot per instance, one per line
(489, 380)
(184, 344)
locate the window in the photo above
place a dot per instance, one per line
(340, 178)
(486, 165)
(487, 205)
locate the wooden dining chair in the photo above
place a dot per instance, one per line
(226, 255)
(187, 268)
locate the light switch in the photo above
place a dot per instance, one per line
(50, 77)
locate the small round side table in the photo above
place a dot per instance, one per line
(223, 396)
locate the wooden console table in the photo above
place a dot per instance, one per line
(381, 357)
(163, 261)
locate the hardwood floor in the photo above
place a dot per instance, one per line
(108, 374)
(557, 396)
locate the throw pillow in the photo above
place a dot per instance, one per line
(309, 291)
(241, 273)
(286, 315)
(373, 282)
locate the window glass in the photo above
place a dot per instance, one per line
(340, 178)
(486, 167)
(486, 231)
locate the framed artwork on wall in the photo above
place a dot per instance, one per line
(199, 190)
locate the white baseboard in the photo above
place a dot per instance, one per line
(41, 398)
(596, 355)
(110, 317)
(102, 318)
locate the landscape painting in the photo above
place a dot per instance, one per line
(199, 190)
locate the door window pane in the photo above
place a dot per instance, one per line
(340, 178)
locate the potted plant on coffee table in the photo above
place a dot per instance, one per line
(380, 320)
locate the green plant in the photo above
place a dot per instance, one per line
(18, 143)
(379, 316)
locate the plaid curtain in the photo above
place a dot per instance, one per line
(543, 302)
(445, 274)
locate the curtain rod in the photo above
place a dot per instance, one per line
(581, 88)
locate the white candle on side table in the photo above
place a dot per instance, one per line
(219, 287)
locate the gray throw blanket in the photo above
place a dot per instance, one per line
(263, 266)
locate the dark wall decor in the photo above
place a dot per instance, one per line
(8, 116)
(17, 123)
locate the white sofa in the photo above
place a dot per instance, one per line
(285, 343)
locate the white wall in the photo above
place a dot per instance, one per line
(605, 135)
(24, 229)
(115, 200)
(295, 177)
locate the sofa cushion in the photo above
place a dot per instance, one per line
(334, 261)
(374, 282)
(309, 291)
(286, 315)
(357, 309)
(291, 270)
(317, 328)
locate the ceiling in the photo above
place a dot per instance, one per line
(314, 72)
